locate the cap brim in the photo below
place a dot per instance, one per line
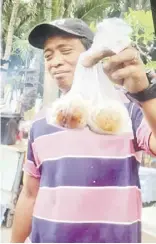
(42, 32)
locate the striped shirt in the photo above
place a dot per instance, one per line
(89, 184)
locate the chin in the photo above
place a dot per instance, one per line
(64, 85)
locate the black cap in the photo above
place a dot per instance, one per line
(42, 32)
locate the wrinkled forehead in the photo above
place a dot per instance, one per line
(54, 42)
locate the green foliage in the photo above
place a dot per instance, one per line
(34, 12)
(21, 47)
(57, 8)
(92, 10)
(151, 65)
(6, 14)
(93, 26)
(142, 24)
(143, 32)
(68, 8)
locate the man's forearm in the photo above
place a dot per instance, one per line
(23, 219)
(149, 109)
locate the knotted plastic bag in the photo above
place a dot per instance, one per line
(93, 100)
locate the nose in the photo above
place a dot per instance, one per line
(57, 60)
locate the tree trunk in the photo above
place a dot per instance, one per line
(140, 3)
(11, 30)
(133, 4)
(124, 8)
(8, 47)
(146, 5)
(1, 49)
(48, 10)
(126, 5)
(2, 86)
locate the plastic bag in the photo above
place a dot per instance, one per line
(114, 33)
(93, 100)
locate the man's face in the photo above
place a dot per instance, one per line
(61, 56)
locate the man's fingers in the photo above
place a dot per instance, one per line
(124, 73)
(127, 56)
(93, 58)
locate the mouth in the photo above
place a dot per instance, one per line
(58, 74)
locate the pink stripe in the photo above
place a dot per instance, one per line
(143, 135)
(28, 240)
(30, 168)
(88, 204)
(82, 143)
(35, 153)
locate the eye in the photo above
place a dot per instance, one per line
(48, 57)
(66, 51)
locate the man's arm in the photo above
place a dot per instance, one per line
(149, 110)
(24, 210)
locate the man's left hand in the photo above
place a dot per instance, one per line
(125, 68)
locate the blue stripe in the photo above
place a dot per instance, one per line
(40, 128)
(51, 232)
(136, 117)
(90, 172)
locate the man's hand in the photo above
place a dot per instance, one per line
(125, 68)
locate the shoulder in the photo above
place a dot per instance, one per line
(40, 126)
(39, 119)
(41, 114)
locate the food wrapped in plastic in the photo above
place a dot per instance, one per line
(93, 100)
(70, 112)
(110, 117)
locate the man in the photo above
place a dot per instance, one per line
(80, 186)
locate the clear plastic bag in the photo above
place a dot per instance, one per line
(114, 33)
(93, 100)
